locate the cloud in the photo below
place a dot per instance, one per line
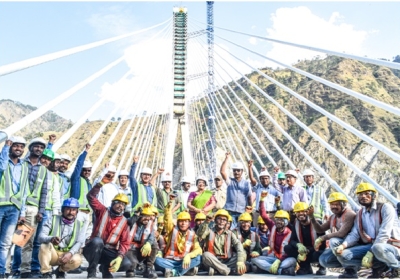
(253, 41)
(300, 25)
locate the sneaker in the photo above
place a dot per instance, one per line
(192, 272)
(25, 275)
(349, 273)
(35, 274)
(288, 271)
(59, 274)
(391, 273)
(76, 271)
(47, 275)
(150, 273)
(211, 271)
(321, 271)
(168, 273)
(305, 270)
(129, 273)
(378, 272)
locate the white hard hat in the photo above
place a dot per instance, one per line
(166, 177)
(123, 173)
(68, 173)
(87, 164)
(237, 165)
(57, 156)
(264, 173)
(185, 179)
(292, 172)
(39, 140)
(203, 178)
(18, 139)
(66, 157)
(308, 172)
(112, 168)
(146, 170)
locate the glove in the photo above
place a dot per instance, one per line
(301, 249)
(301, 257)
(339, 249)
(318, 243)
(115, 264)
(275, 266)
(159, 254)
(186, 262)
(146, 249)
(241, 268)
(266, 249)
(247, 243)
(254, 254)
(367, 260)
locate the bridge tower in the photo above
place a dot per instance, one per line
(178, 117)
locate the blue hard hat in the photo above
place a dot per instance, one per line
(71, 202)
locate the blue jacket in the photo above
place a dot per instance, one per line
(76, 177)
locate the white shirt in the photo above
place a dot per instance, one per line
(107, 193)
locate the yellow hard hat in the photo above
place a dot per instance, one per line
(230, 219)
(221, 212)
(245, 217)
(200, 216)
(363, 187)
(337, 196)
(282, 214)
(160, 219)
(183, 216)
(300, 206)
(260, 220)
(154, 210)
(147, 211)
(121, 197)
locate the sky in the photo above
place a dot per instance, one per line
(142, 81)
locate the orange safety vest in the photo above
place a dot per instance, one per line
(300, 235)
(252, 238)
(172, 251)
(227, 246)
(113, 237)
(288, 233)
(145, 235)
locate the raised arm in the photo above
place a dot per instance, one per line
(154, 178)
(132, 181)
(224, 166)
(253, 180)
(75, 177)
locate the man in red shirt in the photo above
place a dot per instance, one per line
(110, 238)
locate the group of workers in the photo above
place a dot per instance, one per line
(270, 224)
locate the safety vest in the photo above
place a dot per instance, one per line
(34, 197)
(7, 195)
(299, 234)
(172, 251)
(378, 220)
(227, 245)
(145, 235)
(56, 231)
(50, 190)
(285, 242)
(182, 207)
(113, 237)
(142, 196)
(84, 189)
(333, 221)
(252, 238)
(316, 202)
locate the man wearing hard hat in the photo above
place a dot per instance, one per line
(185, 192)
(143, 243)
(376, 227)
(316, 196)
(109, 190)
(109, 241)
(339, 225)
(66, 183)
(123, 179)
(53, 204)
(238, 190)
(182, 253)
(223, 250)
(262, 232)
(13, 182)
(166, 193)
(219, 193)
(277, 262)
(302, 241)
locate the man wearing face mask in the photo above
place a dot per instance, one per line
(302, 241)
(374, 239)
(143, 244)
(110, 238)
(339, 224)
(61, 238)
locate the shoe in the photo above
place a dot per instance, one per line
(25, 275)
(305, 270)
(149, 273)
(91, 274)
(107, 275)
(129, 273)
(59, 274)
(76, 271)
(47, 275)
(3, 276)
(255, 269)
(211, 271)
(349, 273)
(192, 272)
(321, 271)
(288, 271)
(391, 273)
(168, 273)
(35, 274)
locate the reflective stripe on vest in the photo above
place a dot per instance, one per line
(299, 234)
(34, 197)
(285, 241)
(84, 189)
(378, 220)
(56, 231)
(252, 238)
(142, 196)
(145, 235)
(172, 252)
(316, 202)
(50, 190)
(227, 246)
(113, 236)
(7, 196)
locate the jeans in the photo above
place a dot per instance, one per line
(265, 263)
(35, 264)
(161, 264)
(8, 221)
(387, 254)
(328, 258)
(352, 257)
(235, 217)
